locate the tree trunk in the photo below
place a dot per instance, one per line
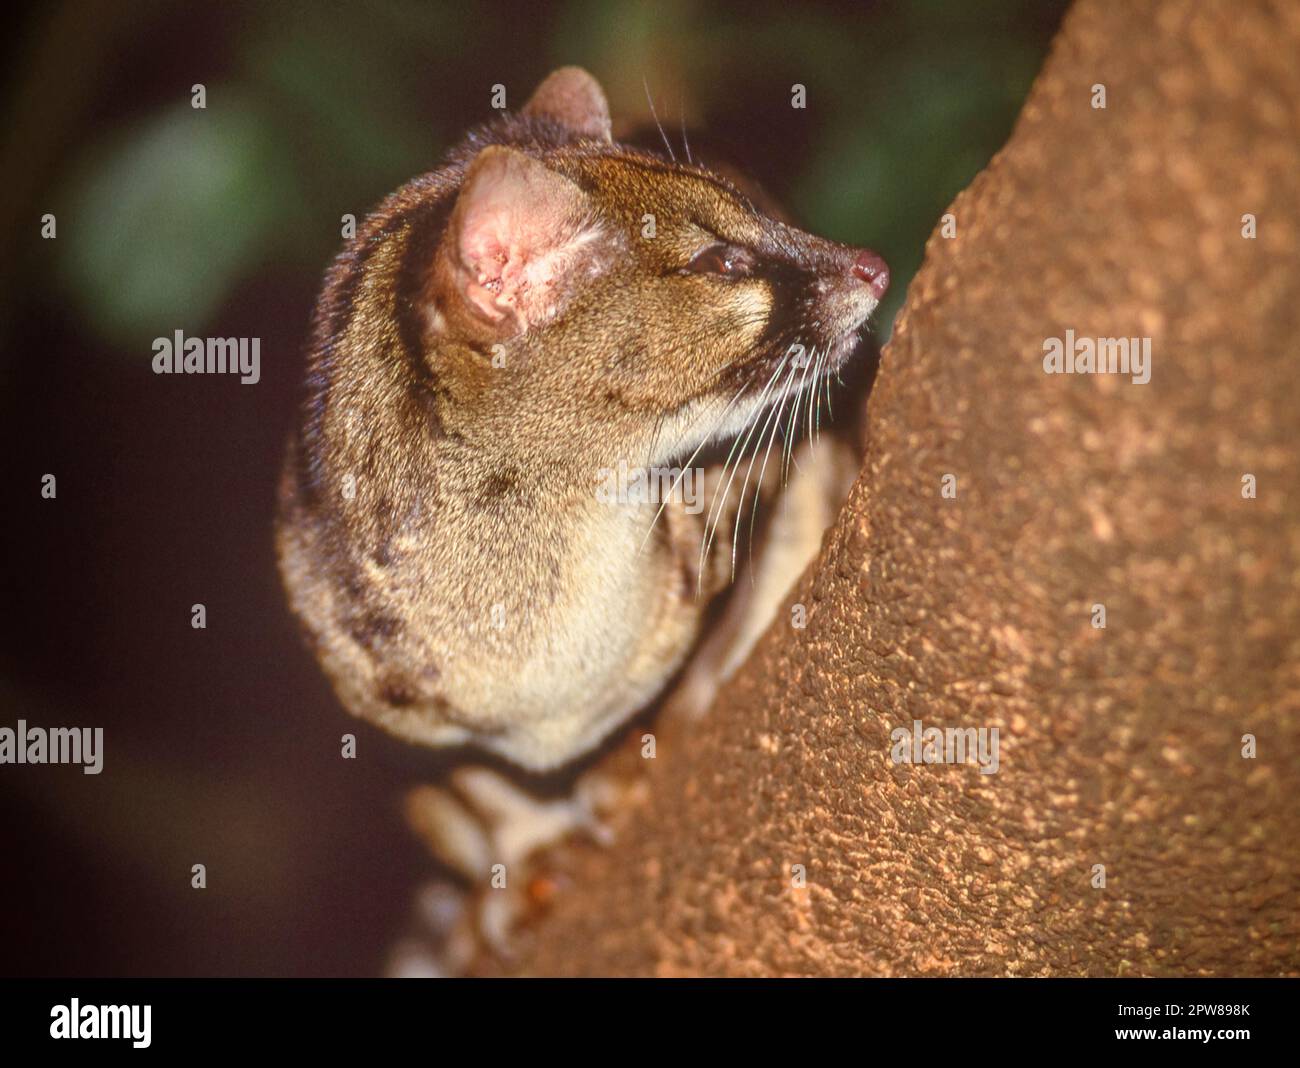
(1120, 748)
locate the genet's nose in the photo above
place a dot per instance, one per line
(873, 270)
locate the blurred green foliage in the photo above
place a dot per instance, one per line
(318, 110)
(173, 212)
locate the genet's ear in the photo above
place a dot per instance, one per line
(519, 237)
(573, 98)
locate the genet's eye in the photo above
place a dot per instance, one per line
(721, 259)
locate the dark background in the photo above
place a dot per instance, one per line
(222, 745)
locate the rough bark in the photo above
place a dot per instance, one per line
(1119, 746)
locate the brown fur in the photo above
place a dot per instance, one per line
(471, 589)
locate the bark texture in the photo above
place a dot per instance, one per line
(1120, 746)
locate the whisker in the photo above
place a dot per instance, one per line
(742, 441)
(830, 411)
(758, 489)
(737, 447)
(687, 465)
(653, 447)
(709, 436)
(773, 413)
(817, 429)
(793, 436)
(811, 394)
(655, 115)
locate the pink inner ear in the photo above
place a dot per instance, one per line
(519, 231)
(493, 264)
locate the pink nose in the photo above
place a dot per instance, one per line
(873, 270)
